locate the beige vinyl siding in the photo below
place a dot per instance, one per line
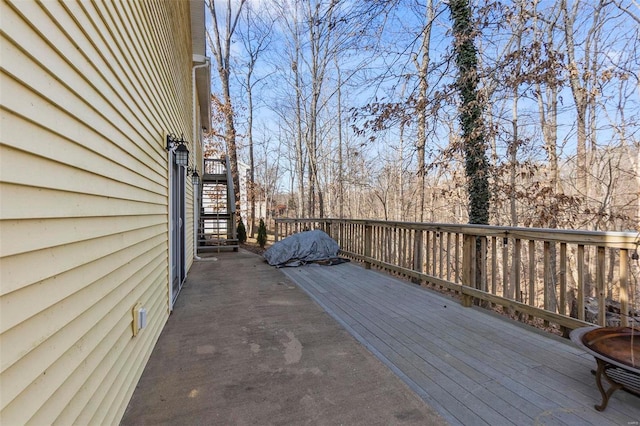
(87, 97)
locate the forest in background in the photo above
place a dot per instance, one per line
(350, 109)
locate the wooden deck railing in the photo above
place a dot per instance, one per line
(215, 166)
(544, 273)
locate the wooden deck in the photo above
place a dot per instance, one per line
(473, 367)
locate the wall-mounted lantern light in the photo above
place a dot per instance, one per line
(179, 148)
(195, 177)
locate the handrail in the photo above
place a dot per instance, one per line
(215, 166)
(567, 277)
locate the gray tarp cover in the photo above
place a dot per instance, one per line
(301, 248)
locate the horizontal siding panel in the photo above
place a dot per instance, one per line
(54, 76)
(38, 234)
(55, 79)
(33, 107)
(55, 262)
(116, 22)
(87, 53)
(156, 21)
(29, 202)
(91, 37)
(93, 24)
(140, 361)
(77, 155)
(82, 405)
(48, 292)
(68, 178)
(97, 384)
(88, 96)
(109, 349)
(110, 392)
(73, 395)
(35, 378)
(166, 99)
(80, 120)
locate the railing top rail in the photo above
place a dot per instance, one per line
(215, 166)
(619, 239)
(215, 160)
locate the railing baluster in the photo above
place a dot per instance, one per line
(417, 252)
(506, 286)
(532, 273)
(367, 245)
(563, 279)
(580, 267)
(457, 258)
(469, 266)
(427, 252)
(546, 279)
(448, 256)
(600, 271)
(440, 256)
(624, 287)
(422, 252)
(483, 263)
(517, 259)
(494, 264)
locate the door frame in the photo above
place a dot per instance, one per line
(177, 229)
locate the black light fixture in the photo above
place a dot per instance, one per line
(179, 148)
(195, 177)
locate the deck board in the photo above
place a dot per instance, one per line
(473, 367)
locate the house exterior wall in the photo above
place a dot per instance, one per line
(88, 92)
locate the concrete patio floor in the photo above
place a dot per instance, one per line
(244, 345)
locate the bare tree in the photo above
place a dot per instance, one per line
(581, 80)
(422, 65)
(220, 46)
(255, 35)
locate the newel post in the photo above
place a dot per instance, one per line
(275, 231)
(367, 245)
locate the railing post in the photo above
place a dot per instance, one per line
(517, 289)
(275, 231)
(482, 267)
(563, 279)
(580, 266)
(600, 272)
(624, 289)
(468, 267)
(507, 287)
(417, 254)
(367, 245)
(546, 278)
(532, 274)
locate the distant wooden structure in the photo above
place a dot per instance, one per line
(217, 222)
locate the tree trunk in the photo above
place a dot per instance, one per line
(252, 175)
(476, 164)
(220, 47)
(421, 107)
(470, 113)
(340, 164)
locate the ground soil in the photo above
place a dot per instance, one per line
(252, 245)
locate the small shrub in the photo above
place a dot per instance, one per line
(262, 234)
(242, 232)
